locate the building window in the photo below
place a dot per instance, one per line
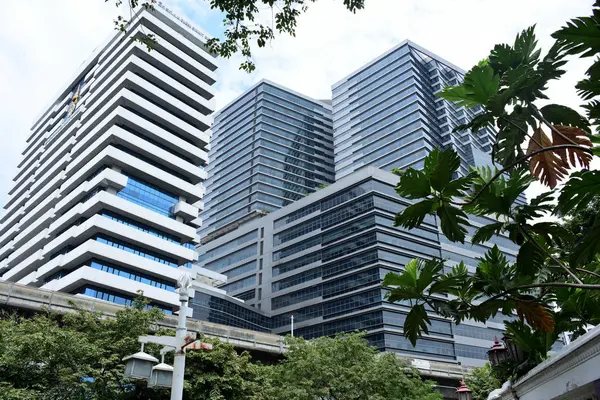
(149, 196)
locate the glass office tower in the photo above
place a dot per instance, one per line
(322, 261)
(386, 114)
(270, 147)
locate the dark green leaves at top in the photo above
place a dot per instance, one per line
(561, 115)
(413, 184)
(413, 215)
(530, 259)
(415, 323)
(486, 232)
(479, 85)
(581, 35)
(588, 247)
(580, 189)
(440, 165)
(453, 221)
(504, 57)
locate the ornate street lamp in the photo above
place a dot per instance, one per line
(497, 353)
(463, 392)
(514, 353)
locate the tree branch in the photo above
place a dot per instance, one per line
(585, 271)
(522, 130)
(519, 161)
(541, 285)
(562, 265)
(553, 129)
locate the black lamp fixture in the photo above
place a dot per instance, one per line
(497, 353)
(514, 353)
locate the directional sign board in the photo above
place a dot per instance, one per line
(198, 345)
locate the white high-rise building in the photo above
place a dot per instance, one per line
(106, 199)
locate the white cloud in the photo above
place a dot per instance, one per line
(42, 43)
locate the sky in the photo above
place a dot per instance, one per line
(42, 43)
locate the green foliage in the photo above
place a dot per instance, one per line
(482, 382)
(343, 368)
(435, 183)
(72, 356)
(243, 24)
(579, 191)
(79, 356)
(554, 285)
(222, 374)
(561, 115)
(479, 85)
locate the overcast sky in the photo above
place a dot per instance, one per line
(43, 42)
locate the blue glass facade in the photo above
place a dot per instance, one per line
(114, 297)
(387, 115)
(269, 148)
(323, 259)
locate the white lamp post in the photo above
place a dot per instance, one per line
(141, 365)
(184, 283)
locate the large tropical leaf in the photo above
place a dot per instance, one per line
(581, 188)
(413, 184)
(511, 135)
(413, 215)
(547, 166)
(486, 232)
(477, 123)
(536, 314)
(415, 323)
(588, 88)
(587, 247)
(561, 115)
(504, 57)
(581, 35)
(552, 233)
(452, 222)
(572, 156)
(440, 166)
(530, 259)
(479, 85)
(493, 273)
(538, 207)
(447, 282)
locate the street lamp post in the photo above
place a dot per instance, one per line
(140, 365)
(185, 281)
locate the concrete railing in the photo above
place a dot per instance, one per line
(19, 296)
(14, 295)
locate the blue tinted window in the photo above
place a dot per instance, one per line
(114, 297)
(130, 248)
(144, 228)
(149, 196)
(232, 287)
(130, 274)
(232, 258)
